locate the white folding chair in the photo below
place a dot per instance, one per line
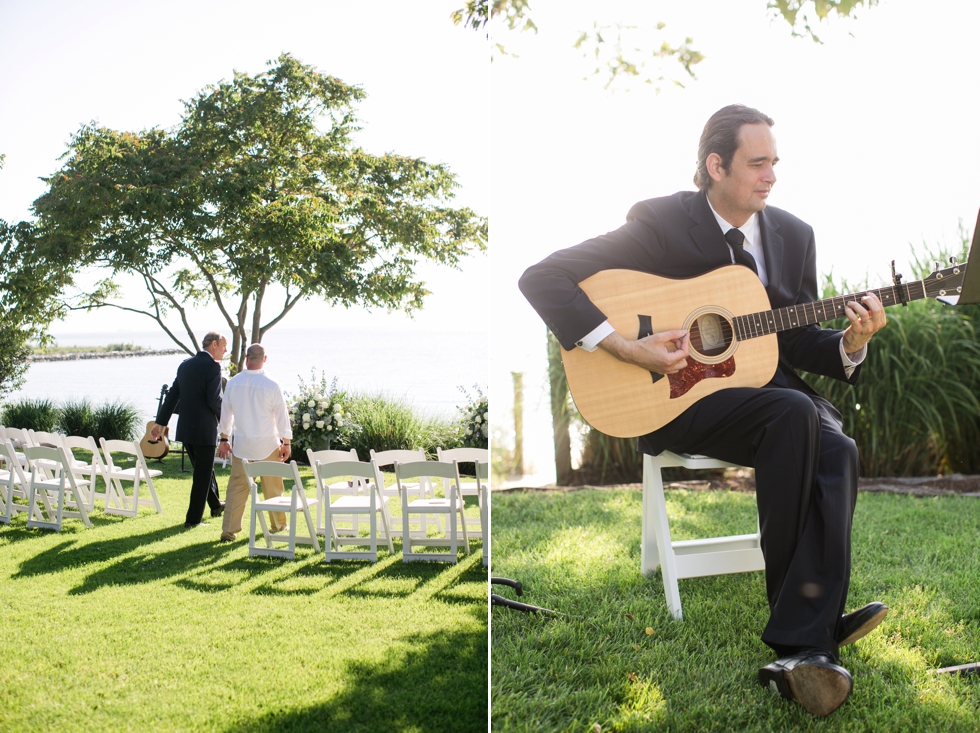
(688, 558)
(448, 507)
(14, 483)
(422, 488)
(91, 471)
(51, 500)
(355, 487)
(468, 488)
(371, 504)
(293, 504)
(20, 439)
(116, 499)
(483, 485)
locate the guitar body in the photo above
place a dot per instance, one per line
(155, 448)
(626, 401)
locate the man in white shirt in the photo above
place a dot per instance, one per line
(255, 409)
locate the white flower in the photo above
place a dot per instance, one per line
(319, 412)
(329, 428)
(325, 403)
(469, 432)
(311, 403)
(318, 396)
(319, 424)
(478, 418)
(339, 422)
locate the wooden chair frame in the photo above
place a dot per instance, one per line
(295, 502)
(116, 499)
(687, 558)
(372, 504)
(450, 506)
(64, 490)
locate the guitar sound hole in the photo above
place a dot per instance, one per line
(711, 334)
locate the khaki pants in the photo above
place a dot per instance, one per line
(237, 493)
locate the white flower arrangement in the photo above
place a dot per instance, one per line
(476, 428)
(317, 415)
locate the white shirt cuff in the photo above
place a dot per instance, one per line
(590, 342)
(851, 361)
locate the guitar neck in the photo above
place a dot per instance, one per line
(764, 323)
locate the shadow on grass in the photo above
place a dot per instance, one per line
(438, 684)
(68, 554)
(150, 566)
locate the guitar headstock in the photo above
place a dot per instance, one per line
(944, 282)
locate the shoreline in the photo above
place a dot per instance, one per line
(103, 355)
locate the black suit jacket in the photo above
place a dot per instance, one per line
(678, 236)
(197, 389)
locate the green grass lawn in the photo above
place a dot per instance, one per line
(617, 661)
(138, 624)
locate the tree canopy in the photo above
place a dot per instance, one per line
(31, 278)
(259, 185)
(629, 51)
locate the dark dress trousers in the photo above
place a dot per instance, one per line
(806, 468)
(197, 389)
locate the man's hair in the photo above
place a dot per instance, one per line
(209, 338)
(720, 135)
(254, 353)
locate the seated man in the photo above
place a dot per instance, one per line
(806, 468)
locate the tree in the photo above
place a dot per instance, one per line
(623, 51)
(31, 277)
(247, 193)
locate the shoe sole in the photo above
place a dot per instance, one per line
(866, 628)
(818, 689)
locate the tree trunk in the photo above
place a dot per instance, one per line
(560, 417)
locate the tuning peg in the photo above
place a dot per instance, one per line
(952, 259)
(937, 265)
(899, 293)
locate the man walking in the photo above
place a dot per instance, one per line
(254, 408)
(806, 468)
(196, 393)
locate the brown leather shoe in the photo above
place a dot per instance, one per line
(811, 678)
(860, 623)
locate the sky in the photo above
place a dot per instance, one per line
(875, 130)
(129, 64)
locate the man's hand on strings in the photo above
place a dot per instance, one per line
(663, 353)
(866, 318)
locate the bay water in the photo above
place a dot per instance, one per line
(423, 367)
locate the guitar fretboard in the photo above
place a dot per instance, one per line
(782, 319)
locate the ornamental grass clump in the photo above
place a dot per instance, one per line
(30, 414)
(318, 417)
(77, 417)
(386, 423)
(116, 421)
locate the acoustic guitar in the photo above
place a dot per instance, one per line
(732, 339)
(155, 448)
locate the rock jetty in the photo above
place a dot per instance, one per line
(103, 354)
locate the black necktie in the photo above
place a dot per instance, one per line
(735, 238)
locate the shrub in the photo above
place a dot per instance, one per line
(77, 418)
(116, 421)
(30, 414)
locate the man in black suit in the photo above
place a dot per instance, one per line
(806, 468)
(197, 389)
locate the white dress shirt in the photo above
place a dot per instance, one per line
(254, 407)
(753, 245)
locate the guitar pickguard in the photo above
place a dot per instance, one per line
(683, 381)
